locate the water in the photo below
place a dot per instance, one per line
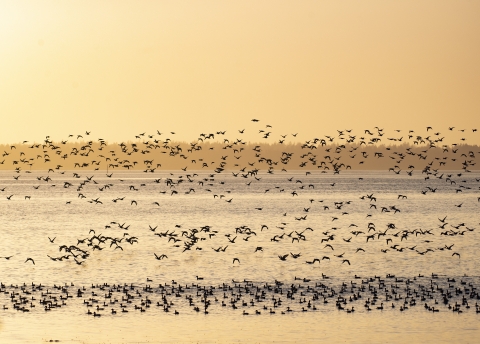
(239, 219)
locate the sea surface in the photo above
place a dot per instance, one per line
(212, 233)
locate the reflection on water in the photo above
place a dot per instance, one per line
(374, 327)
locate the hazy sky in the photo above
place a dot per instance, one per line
(119, 68)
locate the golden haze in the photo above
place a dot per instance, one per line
(118, 68)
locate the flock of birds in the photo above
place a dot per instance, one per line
(419, 154)
(432, 293)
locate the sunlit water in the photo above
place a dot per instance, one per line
(272, 220)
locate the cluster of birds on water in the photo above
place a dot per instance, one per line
(432, 293)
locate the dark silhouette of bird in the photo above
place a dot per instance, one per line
(160, 257)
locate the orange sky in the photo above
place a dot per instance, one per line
(119, 68)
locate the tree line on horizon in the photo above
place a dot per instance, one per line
(237, 155)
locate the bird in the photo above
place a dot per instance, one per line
(30, 259)
(160, 257)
